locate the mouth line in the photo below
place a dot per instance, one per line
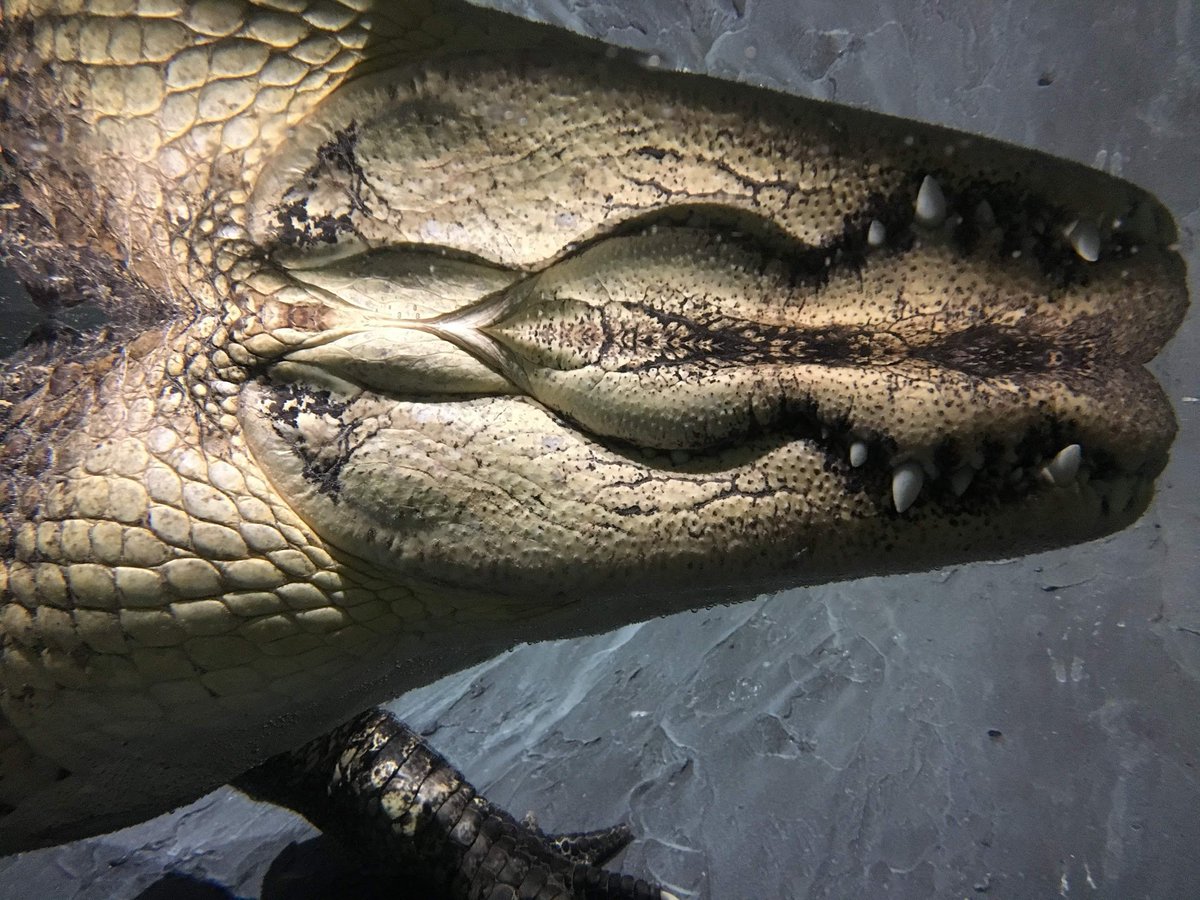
(994, 218)
(1001, 470)
(969, 215)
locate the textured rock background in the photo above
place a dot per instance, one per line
(1021, 729)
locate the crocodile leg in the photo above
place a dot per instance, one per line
(376, 786)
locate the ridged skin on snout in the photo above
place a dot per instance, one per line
(434, 331)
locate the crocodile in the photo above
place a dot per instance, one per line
(432, 331)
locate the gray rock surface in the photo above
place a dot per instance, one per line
(1020, 729)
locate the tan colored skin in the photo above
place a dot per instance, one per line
(455, 351)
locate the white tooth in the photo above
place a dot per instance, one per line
(906, 484)
(876, 234)
(858, 454)
(931, 202)
(1085, 238)
(1065, 465)
(960, 480)
(1120, 494)
(985, 216)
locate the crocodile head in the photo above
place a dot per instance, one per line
(435, 332)
(546, 325)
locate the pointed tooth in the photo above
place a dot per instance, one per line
(858, 454)
(931, 202)
(1085, 239)
(1119, 494)
(876, 234)
(906, 484)
(960, 480)
(1065, 465)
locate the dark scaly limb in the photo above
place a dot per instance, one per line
(377, 787)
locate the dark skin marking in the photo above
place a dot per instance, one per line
(322, 465)
(299, 229)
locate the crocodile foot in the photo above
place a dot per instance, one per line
(377, 787)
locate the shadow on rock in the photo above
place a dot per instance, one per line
(316, 869)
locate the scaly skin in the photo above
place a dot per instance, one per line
(420, 352)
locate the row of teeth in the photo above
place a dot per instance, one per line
(931, 210)
(909, 477)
